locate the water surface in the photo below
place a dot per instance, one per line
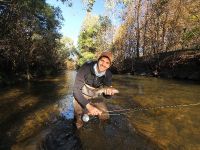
(27, 109)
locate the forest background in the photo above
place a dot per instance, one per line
(155, 37)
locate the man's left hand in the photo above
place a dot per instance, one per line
(111, 91)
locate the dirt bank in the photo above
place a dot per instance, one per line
(176, 64)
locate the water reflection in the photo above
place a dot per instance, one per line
(26, 109)
(30, 111)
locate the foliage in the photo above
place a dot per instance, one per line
(28, 33)
(88, 34)
(152, 27)
(86, 56)
(31, 44)
(96, 35)
(89, 4)
(66, 48)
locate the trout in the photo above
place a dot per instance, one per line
(100, 91)
(97, 92)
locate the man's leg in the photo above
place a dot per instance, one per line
(78, 110)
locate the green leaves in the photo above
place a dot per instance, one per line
(94, 36)
(88, 35)
(86, 56)
(28, 33)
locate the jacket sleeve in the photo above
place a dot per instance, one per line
(79, 83)
(108, 79)
(108, 83)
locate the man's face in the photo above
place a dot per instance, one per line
(103, 64)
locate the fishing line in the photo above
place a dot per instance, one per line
(164, 107)
(117, 112)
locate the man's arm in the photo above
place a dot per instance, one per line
(107, 83)
(79, 83)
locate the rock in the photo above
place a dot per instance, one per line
(61, 137)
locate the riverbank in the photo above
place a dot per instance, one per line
(176, 64)
(9, 80)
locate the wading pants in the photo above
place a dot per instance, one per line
(97, 102)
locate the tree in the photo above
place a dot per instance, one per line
(66, 48)
(96, 35)
(155, 26)
(29, 30)
(88, 35)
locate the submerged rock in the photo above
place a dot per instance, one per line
(61, 137)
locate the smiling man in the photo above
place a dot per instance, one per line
(91, 76)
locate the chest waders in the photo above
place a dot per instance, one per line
(89, 93)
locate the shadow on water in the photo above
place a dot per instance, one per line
(26, 108)
(30, 116)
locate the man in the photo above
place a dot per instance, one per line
(91, 76)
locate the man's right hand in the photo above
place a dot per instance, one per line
(93, 110)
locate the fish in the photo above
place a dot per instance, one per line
(98, 91)
(101, 91)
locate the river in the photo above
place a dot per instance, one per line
(27, 111)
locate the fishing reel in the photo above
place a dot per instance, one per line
(85, 117)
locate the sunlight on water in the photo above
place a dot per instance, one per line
(171, 128)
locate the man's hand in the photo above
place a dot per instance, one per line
(111, 91)
(93, 110)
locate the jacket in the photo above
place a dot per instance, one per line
(86, 75)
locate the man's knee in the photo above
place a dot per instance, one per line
(77, 107)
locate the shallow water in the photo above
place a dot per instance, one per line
(27, 111)
(171, 128)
